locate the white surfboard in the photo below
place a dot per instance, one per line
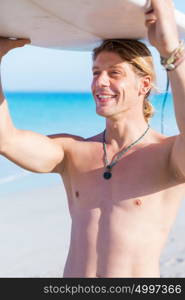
(75, 24)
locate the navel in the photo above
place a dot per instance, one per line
(77, 194)
(138, 202)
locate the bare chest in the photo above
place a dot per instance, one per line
(136, 178)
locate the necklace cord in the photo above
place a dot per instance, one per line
(120, 154)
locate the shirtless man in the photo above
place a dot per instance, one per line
(120, 223)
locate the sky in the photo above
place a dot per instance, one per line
(39, 69)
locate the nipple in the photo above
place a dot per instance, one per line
(138, 202)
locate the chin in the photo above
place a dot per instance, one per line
(103, 113)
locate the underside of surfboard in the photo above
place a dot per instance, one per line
(75, 24)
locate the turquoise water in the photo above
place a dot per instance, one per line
(74, 113)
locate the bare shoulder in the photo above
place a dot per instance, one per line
(166, 146)
(70, 142)
(161, 146)
(95, 138)
(66, 142)
(64, 139)
(161, 140)
(67, 138)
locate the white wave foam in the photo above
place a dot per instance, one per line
(14, 177)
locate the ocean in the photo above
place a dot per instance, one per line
(63, 112)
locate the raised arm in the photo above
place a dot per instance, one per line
(163, 34)
(29, 150)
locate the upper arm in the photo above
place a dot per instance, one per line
(66, 142)
(177, 157)
(36, 152)
(32, 151)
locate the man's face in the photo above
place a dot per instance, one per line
(115, 85)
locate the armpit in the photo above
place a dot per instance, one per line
(178, 175)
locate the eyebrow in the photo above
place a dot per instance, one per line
(111, 67)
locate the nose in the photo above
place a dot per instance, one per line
(102, 80)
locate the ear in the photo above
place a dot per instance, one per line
(145, 85)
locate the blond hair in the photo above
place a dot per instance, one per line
(139, 56)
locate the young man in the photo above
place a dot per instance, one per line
(124, 185)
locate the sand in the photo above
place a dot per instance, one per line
(35, 234)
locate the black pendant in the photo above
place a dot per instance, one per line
(107, 175)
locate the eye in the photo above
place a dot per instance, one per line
(96, 73)
(115, 73)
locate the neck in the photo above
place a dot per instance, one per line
(121, 133)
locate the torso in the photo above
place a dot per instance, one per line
(120, 225)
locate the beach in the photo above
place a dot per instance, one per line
(34, 218)
(34, 233)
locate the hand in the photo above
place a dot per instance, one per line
(7, 44)
(162, 28)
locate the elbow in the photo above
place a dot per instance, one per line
(3, 148)
(54, 165)
(6, 139)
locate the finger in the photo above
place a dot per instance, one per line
(23, 39)
(14, 40)
(150, 18)
(149, 11)
(149, 22)
(150, 15)
(19, 42)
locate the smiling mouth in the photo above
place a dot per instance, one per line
(105, 98)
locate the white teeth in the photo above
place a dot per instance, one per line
(105, 96)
